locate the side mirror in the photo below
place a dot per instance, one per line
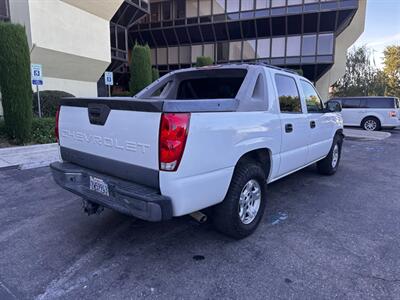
(334, 106)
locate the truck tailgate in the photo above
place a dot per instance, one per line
(125, 146)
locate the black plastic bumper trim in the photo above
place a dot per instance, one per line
(126, 197)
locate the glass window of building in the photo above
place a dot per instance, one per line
(278, 3)
(173, 55)
(289, 98)
(112, 36)
(179, 9)
(155, 12)
(325, 44)
(278, 47)
(223, 51)
(294, 2)
(205, 7)
(235, 50)
(209, 50)
(260, 4)
(121, 38)
(191, 8)
(249, 49)
(247, 5)
(310, 1)
(293, 46)
(162, 56)
(196, 52)
(263, 48)
(153, 54)
(314, 103)
(232, 6)
(3, 8)
(218, 7)
(184, 54)
(166, 10)
(309, 45)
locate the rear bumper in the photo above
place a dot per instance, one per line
(126, 197)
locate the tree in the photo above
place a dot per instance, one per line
(391, 70)
(15, 83)
(140, 69)
(202, 61)
(361, 77)
(155, 74)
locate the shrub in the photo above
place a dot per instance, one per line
(140, 69)
(3, 132)
(43, 131)
(121, 94)
(49, 101)
(155, 74)
(15, 81)
(202, 61)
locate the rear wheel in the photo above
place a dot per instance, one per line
(330, 164)
(243, 207)
(371, 124)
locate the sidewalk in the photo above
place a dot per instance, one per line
(27, 157)
(365, 135)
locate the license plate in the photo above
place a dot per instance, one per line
(99, 186)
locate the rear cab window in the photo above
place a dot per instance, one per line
(288, 94)
(199, 84)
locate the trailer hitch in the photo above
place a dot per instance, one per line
(91, 208)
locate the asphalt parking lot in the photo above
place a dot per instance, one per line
(321, 237)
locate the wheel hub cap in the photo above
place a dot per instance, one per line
(335, 156)
(370, 125)
(249, 202)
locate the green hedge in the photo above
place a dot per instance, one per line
(49, 102)
(202, 61)
(43, 131)
(140, 69)
(15, 82)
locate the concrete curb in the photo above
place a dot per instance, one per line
(359, 134)
(28, 157)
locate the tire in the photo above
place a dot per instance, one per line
(371, 124)
(330, 164)
(248, 176)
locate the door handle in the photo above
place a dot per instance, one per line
(312, 124)
(288, 127)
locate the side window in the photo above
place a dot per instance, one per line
(380, 103)
(314, 103)
(289, 98)
(351, 103)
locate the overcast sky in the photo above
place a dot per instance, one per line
(382, 27)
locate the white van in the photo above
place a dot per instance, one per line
(371, 113)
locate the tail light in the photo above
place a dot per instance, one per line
(173, 132)
(392, 114)
(56, 126)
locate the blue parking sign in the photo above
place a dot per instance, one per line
(36, 74)
(108, 77)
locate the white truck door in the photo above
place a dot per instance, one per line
(320, 124)
(294, 124)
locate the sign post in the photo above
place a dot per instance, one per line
(37, 79)
(109, 80)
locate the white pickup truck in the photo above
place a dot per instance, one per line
(197, 138)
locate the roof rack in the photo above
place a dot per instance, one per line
(274, 67)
